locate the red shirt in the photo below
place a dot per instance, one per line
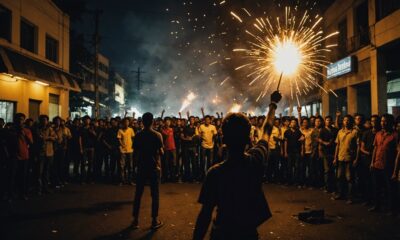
(24, 139)
(385, 149)
(169, 141)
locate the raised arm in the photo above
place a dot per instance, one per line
(337, 119)
(299, 116)
(202, 112)
(269, 120)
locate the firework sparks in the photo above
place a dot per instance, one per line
(187, 101)
(292, 49)
(235, 108)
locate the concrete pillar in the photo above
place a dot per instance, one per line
(351, 100)
(378, 83)
(325, 102)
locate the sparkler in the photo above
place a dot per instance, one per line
(292, 49)
(187, 101)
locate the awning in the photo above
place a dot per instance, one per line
(19, 65)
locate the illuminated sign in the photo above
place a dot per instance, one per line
(341, 67)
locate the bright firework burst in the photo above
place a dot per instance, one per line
(292, 50)
(187, 101)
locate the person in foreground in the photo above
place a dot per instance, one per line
(149, 146)
(234, 186)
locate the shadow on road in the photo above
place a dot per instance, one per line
(125, 234)
(91, 210)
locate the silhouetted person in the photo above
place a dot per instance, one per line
(234, 186)
(148, 145)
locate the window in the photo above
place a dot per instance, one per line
(51, 49)
(28, 36)
(7, 110)
(386, 7)
(103, 68)
(5, 20)
(342, 42)
(54, 106)
(362, 25)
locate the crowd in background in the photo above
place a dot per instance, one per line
(351, 157)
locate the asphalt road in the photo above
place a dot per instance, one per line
(104, 212)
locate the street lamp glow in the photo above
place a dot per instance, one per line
(287, 57)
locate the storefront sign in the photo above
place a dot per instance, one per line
(341, 67)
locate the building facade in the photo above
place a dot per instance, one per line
(365, 71)
(34, 59)
(83, 103)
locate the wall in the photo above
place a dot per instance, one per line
(23, 90)
(49, 19)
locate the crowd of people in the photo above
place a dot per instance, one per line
(352, 157)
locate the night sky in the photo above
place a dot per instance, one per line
(183, 46)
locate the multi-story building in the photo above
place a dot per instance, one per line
(83, 103)
(117, 95)
(365, 70)
(34, 59)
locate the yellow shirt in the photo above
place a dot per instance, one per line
(125, 136)
(275, 133)
(307, 140)
(207, 134)
(347, 140)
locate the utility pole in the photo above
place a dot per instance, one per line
(96, 42)
(139, 81)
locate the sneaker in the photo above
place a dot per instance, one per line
(156, 224)
(349, 202)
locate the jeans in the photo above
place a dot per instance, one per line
(125, 167)
(272, 168)
(383, 183)
(206, 157)
(292, 160)
(329, 172)
(143, 177)
(344, 179)
(88, 156)
(169, 167)
(190, 163)
(43, 172)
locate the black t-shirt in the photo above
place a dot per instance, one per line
(235, 188)
(292, 139)
(88, 138)
(328, 135)
(147, 145)
(368, 140)
(110, 137)
(189, 132)
(177, 135)
(76, 134)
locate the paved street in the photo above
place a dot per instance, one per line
(104, 212)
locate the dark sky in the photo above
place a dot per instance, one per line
(182, 46)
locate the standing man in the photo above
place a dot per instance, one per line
(149, 146)
(19, 140)
(345, 154)
(207, 132)
(88, 142)
(327, 148)
(292, 150)
(383, 165)
(190, 163)
(234, 186)
(125, 167)
(170, 171)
